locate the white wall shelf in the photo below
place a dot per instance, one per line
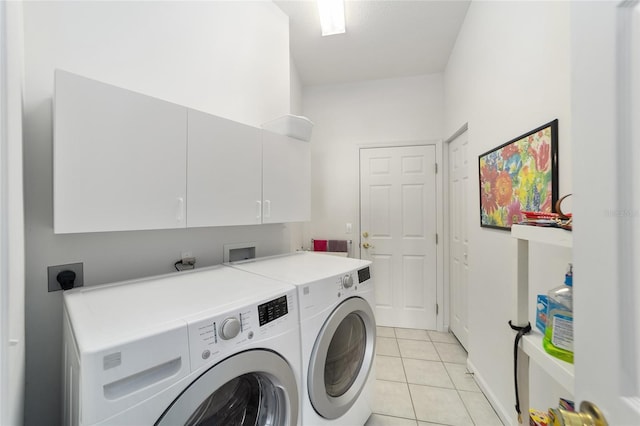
(545, 235)
(561, 371)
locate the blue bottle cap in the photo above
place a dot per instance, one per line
(568, 277)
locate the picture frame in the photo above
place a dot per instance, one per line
(519, 175)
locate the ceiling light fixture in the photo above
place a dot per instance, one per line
(331, 16)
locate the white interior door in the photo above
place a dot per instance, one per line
(458, 237)
(398, 232)
(605, 135)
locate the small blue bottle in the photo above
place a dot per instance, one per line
(558, 336)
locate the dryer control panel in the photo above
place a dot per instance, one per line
(349, 283)
(364, 274)
(315, 297)
(212, 338)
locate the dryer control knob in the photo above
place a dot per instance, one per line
(347, 281)
(230, 328)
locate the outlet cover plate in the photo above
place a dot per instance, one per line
(53, 271)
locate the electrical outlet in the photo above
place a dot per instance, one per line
(187, 261)
(53, 271)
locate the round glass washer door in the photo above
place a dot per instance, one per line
(255, 387)
(342, 358)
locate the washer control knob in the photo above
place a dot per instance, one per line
(230, 328)
(347, 281)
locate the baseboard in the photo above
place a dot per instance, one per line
(505, 415)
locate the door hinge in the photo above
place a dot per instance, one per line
(436, 168)
(437, 309)
(436, 238)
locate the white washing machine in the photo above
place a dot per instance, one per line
(338, 333)
(212, 346)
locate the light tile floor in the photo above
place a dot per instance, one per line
(422, 380)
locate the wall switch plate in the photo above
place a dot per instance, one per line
(348, 228)
(53, 271)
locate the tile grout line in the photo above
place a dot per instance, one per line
(458, 391)
(465, 407)
(406, 378)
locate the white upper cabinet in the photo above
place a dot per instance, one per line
(119, 158)
(241, 175)
(224, 172)
(286, 179)
(125, 161)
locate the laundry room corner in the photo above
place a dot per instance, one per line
(348, 116)
(253, 87)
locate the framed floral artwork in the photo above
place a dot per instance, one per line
(520, 175)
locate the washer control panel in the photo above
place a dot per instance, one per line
(214, 337)
(272, 310)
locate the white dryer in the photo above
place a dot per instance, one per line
(214, 346)
(338, 333)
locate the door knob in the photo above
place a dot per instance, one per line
(365, 234)
(589, 415)
(366, 245)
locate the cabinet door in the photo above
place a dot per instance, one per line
(286, 179)
(224, 172)
(119, 158)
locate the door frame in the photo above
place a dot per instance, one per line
(441, 292)
(446, 240)
(12, 229)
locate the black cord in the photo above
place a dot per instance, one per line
(175, 265)
(521, 332)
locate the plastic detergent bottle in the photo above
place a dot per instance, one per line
(558, 337)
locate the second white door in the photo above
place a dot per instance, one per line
(398, 232)
(458, 237)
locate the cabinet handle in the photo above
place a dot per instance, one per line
(180, 213)
(259, 210)
(267, 208)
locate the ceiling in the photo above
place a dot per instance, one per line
(384, 39)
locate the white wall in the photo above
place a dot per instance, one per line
(226, 58)
(347, 116)
(508, 74)
(296, 89)
(296, 230)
